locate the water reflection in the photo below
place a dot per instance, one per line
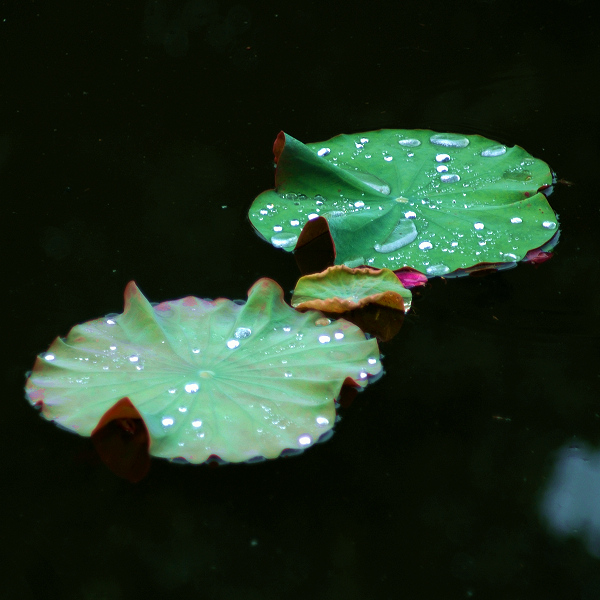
(571, 502)
(169, 23)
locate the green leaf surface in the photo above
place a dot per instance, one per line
(340, 289)
(207, 377)
(410, 198)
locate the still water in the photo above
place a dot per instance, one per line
(133, 140)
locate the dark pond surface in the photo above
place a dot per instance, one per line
(133, 138)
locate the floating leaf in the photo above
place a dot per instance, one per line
(373, 299)
(341, 289)
(393, 199)
(207, 377)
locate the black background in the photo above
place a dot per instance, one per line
(126, 127)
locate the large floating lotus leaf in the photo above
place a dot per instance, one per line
(341, 289)
(207, 377)
(410, 198)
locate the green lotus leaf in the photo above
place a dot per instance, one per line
(341, 289)
(237, 381)
(435, 202)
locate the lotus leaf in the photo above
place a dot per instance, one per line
(341, 289)
(237, 381)
(434, 202)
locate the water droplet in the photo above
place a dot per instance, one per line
(270, 206)
(287, 374)
(196, 350)
(191, 388)
(112, 347)
(338, 335)
(358, 145)
(322, 322)
(442, 158)
(437, 270)
(359, 204)
(167, 421)
(478, 225)
(450, 178)
(323, 151)
(278, 228)
(449, 140)
(134, 358)
(312, 216)
(373, 182)
(410, 215)
(231, 344)
(182, 409)
(516, 220)
(372, 360)
(172, 390)
(49, 357)
(242, 333)
(305, 440)
(324, 339)
(388, 158)
(364, 140)
(322, 421)
(497, 150)
(287, 329)
(409, 143)
(264, 211)
(284, 240)
(110, 322)
(295, 223)
(363, 375)
(517, 175)
(441, 169)
(549, 224)
(425, 245)
(139, 367)
(197, 423)
(509, 257)
(403, 234)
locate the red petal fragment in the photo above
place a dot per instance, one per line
(537, 257)
(411, 278)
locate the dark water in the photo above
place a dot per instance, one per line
(125, 128)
